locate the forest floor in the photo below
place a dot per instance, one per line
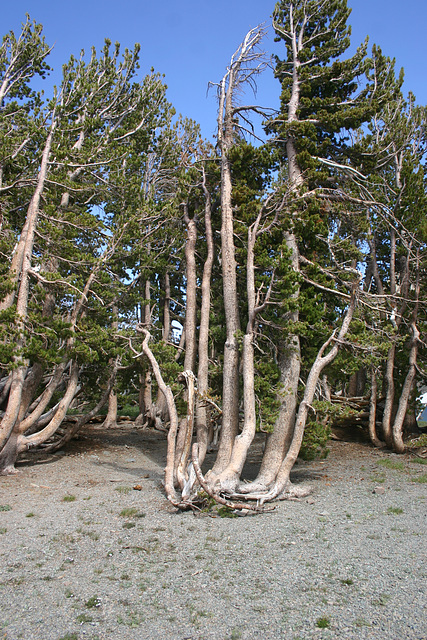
(90, 548)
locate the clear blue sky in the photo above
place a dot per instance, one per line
(191, 41)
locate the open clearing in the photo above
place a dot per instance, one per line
(84, 554)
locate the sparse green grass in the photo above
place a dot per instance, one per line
(132, 620)
(128, 512)
(236, 634)
(93, 602)
(63, 537)
(378, 478)
(420, 460)
(388, 463)
(347, 581)
(5, 507)
(122, 489)
(361, 622)
(69, 636)
(3, 530)
(93, 535)
(128, 525)
(69, 498)
(420, 479)
(394, 511)
(323, 623)
(30, 515)
(84, 617)
(382, 600)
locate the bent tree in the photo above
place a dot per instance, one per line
(56, 336)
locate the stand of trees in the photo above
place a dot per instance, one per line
(275, 287)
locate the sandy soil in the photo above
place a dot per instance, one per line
(90, 548)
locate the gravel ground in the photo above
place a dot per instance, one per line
(85, 555)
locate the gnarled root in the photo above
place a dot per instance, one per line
(295, 492)
(10, 470)
(277, 492)
(239, 506)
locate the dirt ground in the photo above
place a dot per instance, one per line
(90, 548)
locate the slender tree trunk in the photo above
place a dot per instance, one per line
(166, 310)
(230, 393)
(373, 411)
(145, 391)
(202, 419)
(185, 432)
(111, 417)
(167, 392)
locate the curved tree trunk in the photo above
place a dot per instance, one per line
(282, 482)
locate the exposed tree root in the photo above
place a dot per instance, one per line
(290, 492)
(9, 471)
(239, 506)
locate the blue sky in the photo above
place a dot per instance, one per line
(191, 41)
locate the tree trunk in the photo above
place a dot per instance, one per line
(373, 412)
(230, 394)
(183, 450)
(202, 416)
(111, 417)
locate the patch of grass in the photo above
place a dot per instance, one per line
(388, 463)
(69, 593)
(419, 460)
(63, 537)
(30, 515)
(121, 489)
(347, 581)
(361, 622)
(3, 530)
(128, 512)
(5, 507)
(84, 617)
(93, 602)
(378, 478)
(236, 634)
(69, 498)
(128, 525)
(93, 535)
(382, 600)
(420, 479)
(69, 636)
(133, 620)
(421, 441)
(323, 623)
(394, 511)
(226, 512)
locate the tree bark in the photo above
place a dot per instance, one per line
(202, 418)
(373, 411)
